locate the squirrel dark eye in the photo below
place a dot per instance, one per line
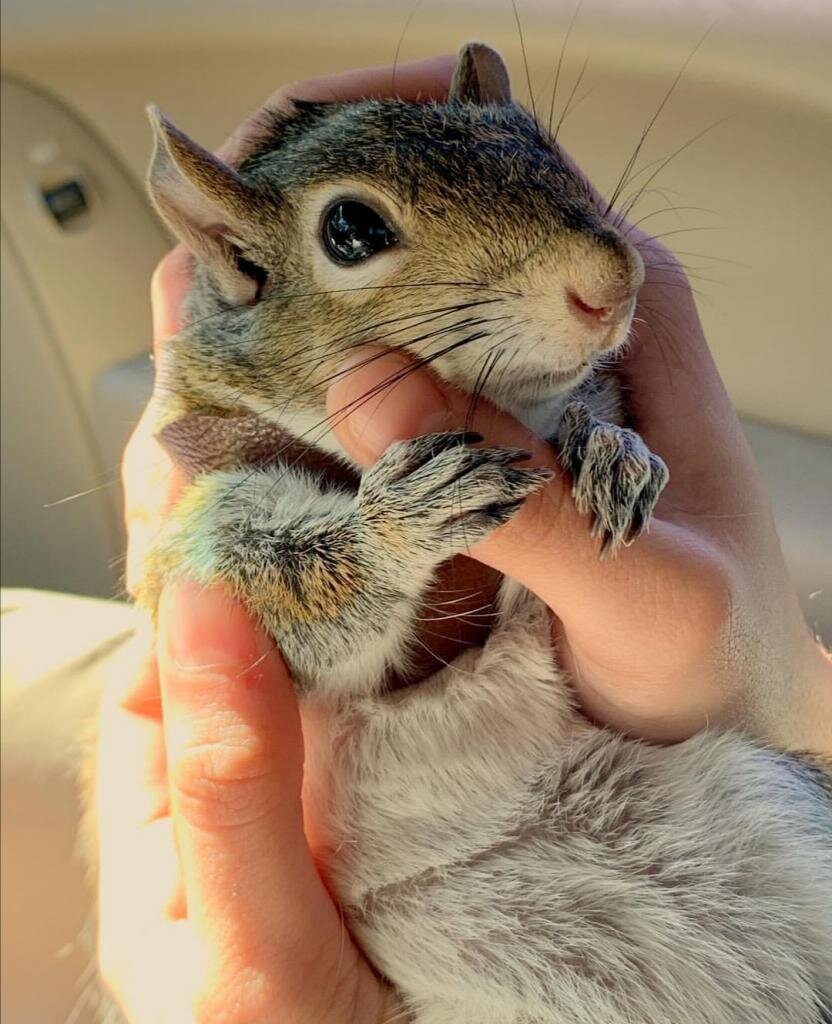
(352, 232)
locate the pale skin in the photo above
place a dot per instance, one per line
(211, 905)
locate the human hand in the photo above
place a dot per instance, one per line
(697, 623)
(210, 905)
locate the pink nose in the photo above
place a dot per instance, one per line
(609, 312)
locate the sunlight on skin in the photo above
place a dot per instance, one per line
(211, 907)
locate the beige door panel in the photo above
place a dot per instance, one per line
(79, 244)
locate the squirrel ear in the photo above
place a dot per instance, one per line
(206, 205)
(481, 76)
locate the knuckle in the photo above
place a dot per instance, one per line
(222, 783)
(715, 601)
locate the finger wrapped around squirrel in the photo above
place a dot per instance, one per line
(498, 857)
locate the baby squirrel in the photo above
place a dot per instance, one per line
(499, 858)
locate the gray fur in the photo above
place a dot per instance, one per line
(616, 478)
(587, 878)
(338, 578)
(500, 859)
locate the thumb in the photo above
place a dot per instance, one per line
(235, 755)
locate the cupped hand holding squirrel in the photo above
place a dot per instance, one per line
(698, 623)
(695, 624)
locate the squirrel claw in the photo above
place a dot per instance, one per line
(615, 477)
(439, 495)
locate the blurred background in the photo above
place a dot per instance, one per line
(742, 156)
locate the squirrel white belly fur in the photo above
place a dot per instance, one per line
(499, 859)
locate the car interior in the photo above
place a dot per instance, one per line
(738, 98)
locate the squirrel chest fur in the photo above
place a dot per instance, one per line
(498, 858)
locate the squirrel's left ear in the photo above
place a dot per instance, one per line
(481, 76)
(208, 206)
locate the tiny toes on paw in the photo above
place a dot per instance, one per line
(648, 498)
(405, 457)
(495, 502)
(616, 479)
(484, 483)
(448, 496)
(573, 434)
(456, 471)
(576, 414)
(463, 531)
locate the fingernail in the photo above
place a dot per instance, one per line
(379, 397)
(202, 628)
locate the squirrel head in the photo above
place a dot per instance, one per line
(455, 230)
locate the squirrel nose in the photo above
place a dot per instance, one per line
(603, 309)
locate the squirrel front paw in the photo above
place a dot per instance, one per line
(435, 495)
(335, 577)
(615, 476)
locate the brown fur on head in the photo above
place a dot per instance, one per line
(496, 263)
